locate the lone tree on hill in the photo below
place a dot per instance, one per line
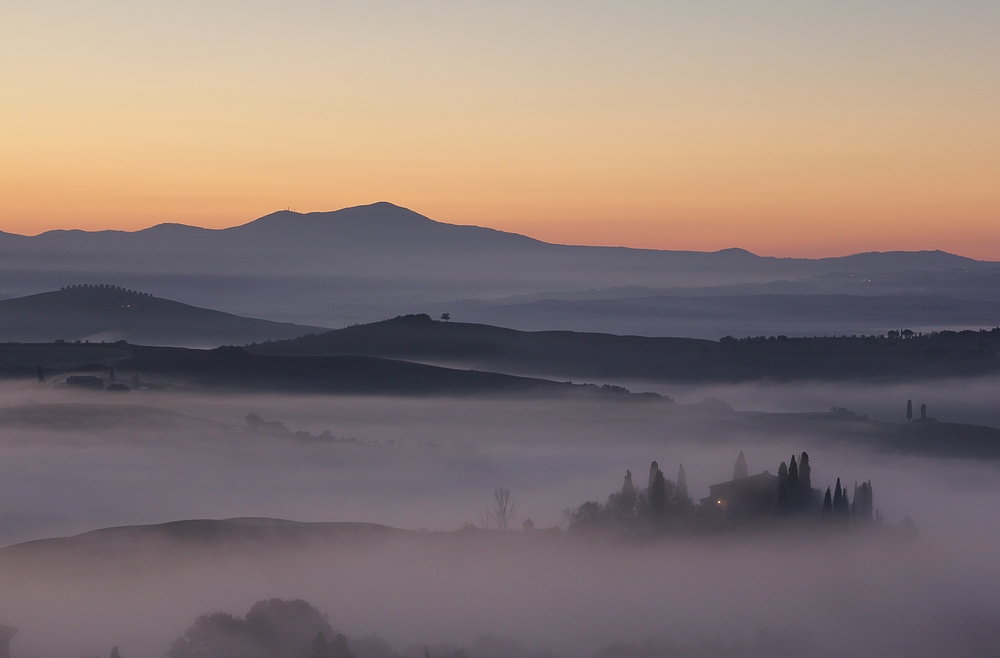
(446, 316)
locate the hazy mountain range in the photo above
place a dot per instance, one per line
(371, 262)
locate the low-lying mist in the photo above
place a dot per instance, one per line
(70, 463)
(973, 400)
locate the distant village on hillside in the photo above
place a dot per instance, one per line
(763, 499)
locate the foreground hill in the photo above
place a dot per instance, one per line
(194, 533)
(592, 355)
(110, 313)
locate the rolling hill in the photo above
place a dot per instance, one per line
(605, 356)
(110, 313)
(233, 369)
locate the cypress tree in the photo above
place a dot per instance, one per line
(792, 487)
(909, 410)
(841, 502)
(805, 472)
(681, 493)
(827, 504)
(740, 470)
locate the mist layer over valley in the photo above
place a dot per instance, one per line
(72, 461)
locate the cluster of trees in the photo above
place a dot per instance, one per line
(272, 629)
(796, 495)
(659, 502)
(839, 506)
(107, 286)
(744, 499)
(923, 414)
(795, 492)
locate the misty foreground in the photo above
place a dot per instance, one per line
(141, 588)
(74, 460)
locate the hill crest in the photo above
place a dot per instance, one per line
(107, 312)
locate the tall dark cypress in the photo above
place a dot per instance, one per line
(805, 472)
(841, 502)
(793, 493)
(827, 504)
(657, 494)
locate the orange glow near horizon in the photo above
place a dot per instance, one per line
(788, 132)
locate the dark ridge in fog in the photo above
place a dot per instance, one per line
(123, 367)
(249, 533)
(892, 356)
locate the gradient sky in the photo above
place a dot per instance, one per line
(787, 128)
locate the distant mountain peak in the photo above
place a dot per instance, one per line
(381, 212)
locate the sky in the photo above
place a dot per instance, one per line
(786, 128)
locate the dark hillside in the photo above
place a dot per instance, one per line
(576, 354)
(565, 353)
(234, 369)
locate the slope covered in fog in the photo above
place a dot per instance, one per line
(578, 354)
(195, 533)
(110, 313)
